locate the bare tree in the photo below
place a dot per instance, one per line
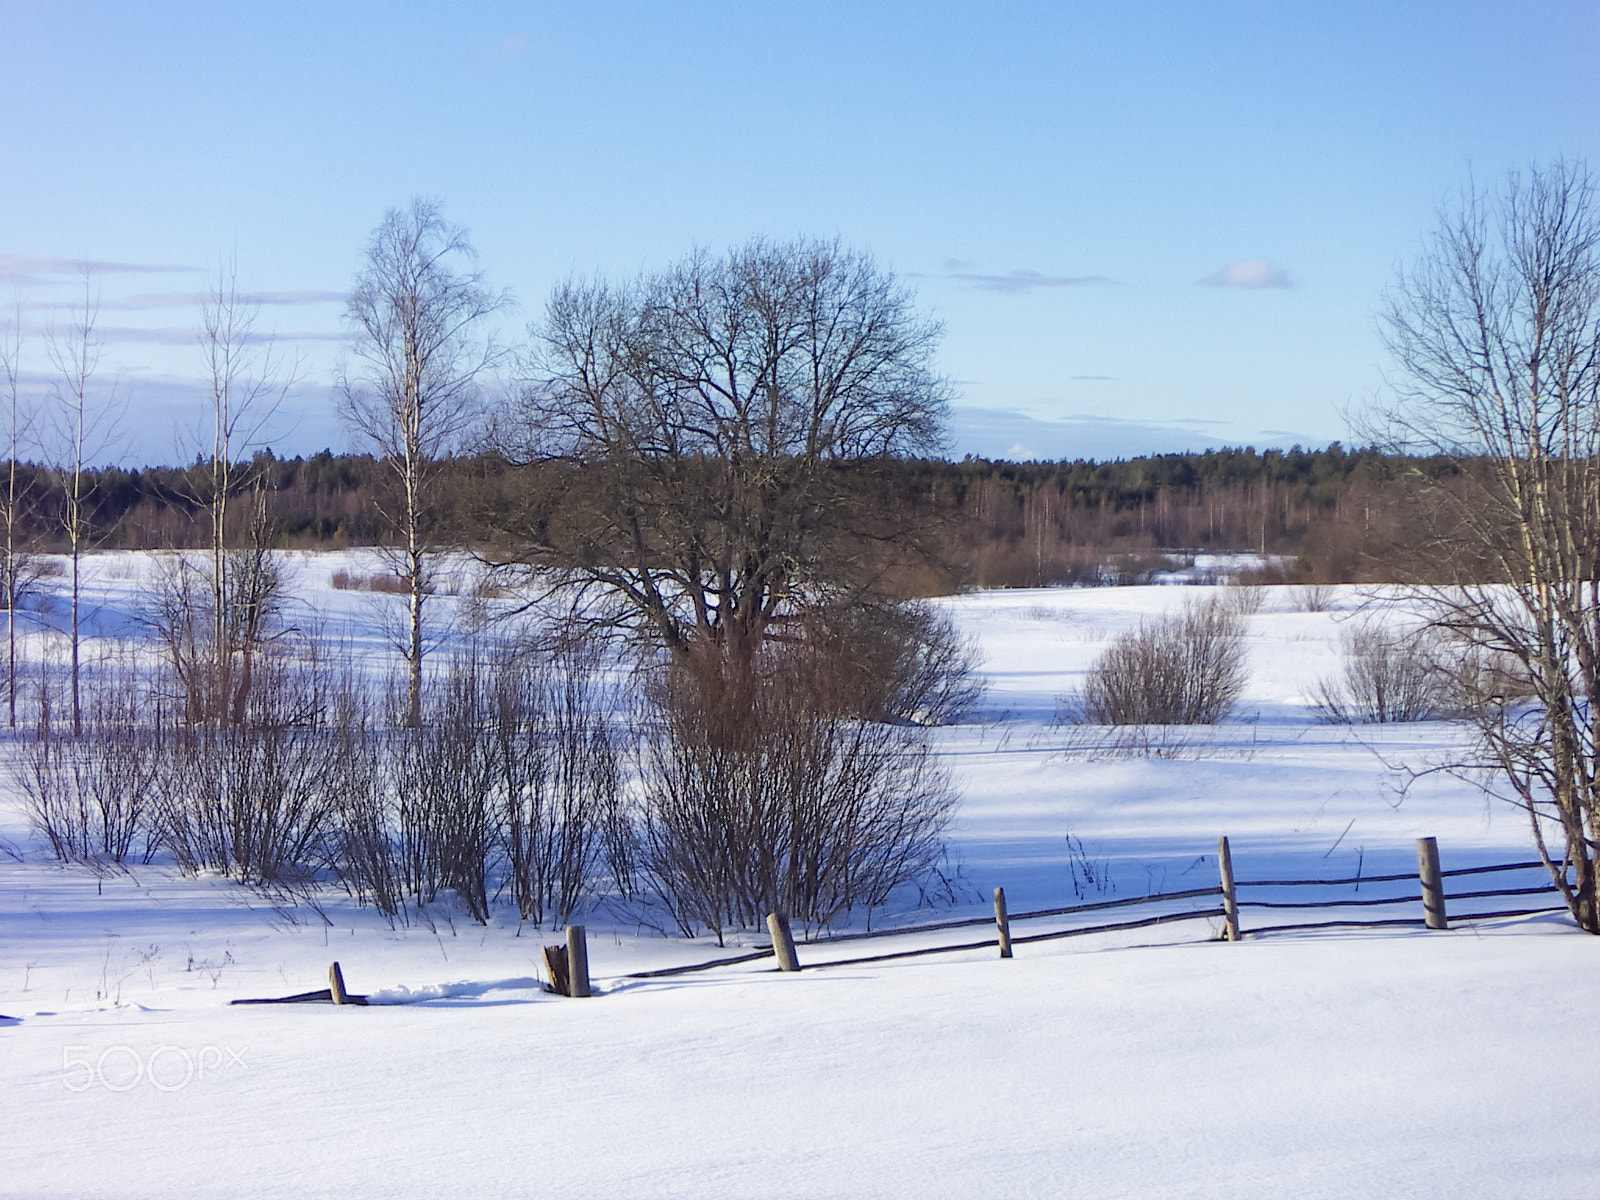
(1496, 333)
(722, 423)
(213, 616)
(85, 426)
(214, 662)
(246, 387)
(416, 315)
(16, 566)
(717, 442)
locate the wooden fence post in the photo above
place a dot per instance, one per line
(1230, 896)
(577, 962)
(336, 985)
(782, 942)
(1002, 922)
(555, 962)
(1432, 883)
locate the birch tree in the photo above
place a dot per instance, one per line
(85, 427)
(15, 564)
(416, 317)
(1496, 333)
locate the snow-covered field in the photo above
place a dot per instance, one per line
(1148, 1063)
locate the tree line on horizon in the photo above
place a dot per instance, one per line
(1334, 513)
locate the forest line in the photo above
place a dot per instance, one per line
(1336, 514)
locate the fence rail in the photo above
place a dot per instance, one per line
(1435, 900)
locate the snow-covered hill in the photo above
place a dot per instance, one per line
(1147, 1063)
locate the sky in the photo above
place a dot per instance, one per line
(1145, 227)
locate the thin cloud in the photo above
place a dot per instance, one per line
(1250, 273)
(257, 299)
(1093, 378)
(45, 268)
(185, 336)
(1023, 280)
(148, 301)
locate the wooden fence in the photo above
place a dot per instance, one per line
(1431, 896)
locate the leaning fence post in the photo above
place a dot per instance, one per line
(1002, 922)
(1432, 883)
(782, 942)
(577, 962)
(1230, 896)
(336, 985)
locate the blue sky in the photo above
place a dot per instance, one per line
(1146, 226)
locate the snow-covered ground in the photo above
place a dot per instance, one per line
(1154, 1062)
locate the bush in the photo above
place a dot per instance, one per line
(903, 662)
(90, 796)
(512, 780)
(762, 792)
(1389, 677)
(1185, 669)
(560, 785)
(1245, 599)
(362, 849)
(257, 799)
(443, 774)
(388, 583)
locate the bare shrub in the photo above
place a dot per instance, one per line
(362, 849)
(443, 773)
(1315, 598)
(1185, 669)
(383, 582)
(252, 799)
(213, 653)
(1244, 600)
(90, 796)
(560, 785)
(1387, 677)
(761, 793)
(513, 779)
(902, 662)
(1484, 680)
(1270, 572)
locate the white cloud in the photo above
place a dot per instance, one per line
(1249, 273)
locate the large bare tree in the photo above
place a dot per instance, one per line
(1496, 333)
(710, 434)
(416, 316)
